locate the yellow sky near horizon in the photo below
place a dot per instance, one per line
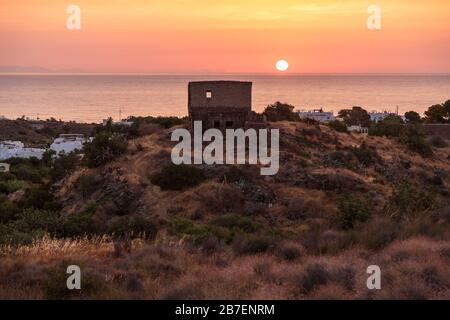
(227, 36)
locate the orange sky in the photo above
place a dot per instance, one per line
(180, 36)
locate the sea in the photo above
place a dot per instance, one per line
(94, 97)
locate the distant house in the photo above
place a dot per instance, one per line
(4, 167)
(16, 149)
(222, 104)
(317, 114)
(379, 116)
(358, 129)
(67, 143)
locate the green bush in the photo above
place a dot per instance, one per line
(104, 147)
(31, 220)
(416, 142)
(178, 177)
(253, 244)
(64, 164)
(78, 224)
(39, 198)
(352, 211)
(339, 126)
(391, 126)
(406, 201)
(366, 156)
(86, 184)
(133, 227)
(339, 158)
(8, 210)
(10, 186)
(27, 172)
(199, 233)
(438, 142)
(235, 222)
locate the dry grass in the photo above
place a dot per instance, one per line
(416, 268)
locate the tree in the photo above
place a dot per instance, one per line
(391, 126)
(438, 113)
(412, 117)
(105, 147)
(355, 116)
(280, 111)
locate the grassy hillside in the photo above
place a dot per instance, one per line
(141, 228)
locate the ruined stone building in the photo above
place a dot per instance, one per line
(222, 105)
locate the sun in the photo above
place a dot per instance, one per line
(282, 65)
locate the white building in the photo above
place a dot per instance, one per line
(358, 129)
(379, 116)
(317, 114)
(67, 143)
(16, 149)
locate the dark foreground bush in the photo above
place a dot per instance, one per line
(178, 177)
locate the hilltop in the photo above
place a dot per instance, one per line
(340, 202)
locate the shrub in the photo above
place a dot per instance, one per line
(86, 184)
(178, 177)
(235, 222)
(376, 234)
(339, 126)
(39, 198)
(11, 186)
(104, 147)
(438, 142)
(34, 219)
(366, 156)
(406, 201)
(79, 224)
(64, 164)
(280, 111)
(289, 251)
(253, 244)
(304, 207)
(219, 199)
(391, 126)
(55, 287)
(352, 211)
(339, 158)
(315, 275)
(165, 122)
(416, 142)
(198, 233)
(133, 227)
(27, 172)
(8, 211)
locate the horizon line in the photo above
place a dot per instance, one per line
(280, 74)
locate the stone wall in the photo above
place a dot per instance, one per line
(234, 94)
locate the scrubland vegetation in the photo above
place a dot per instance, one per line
(142, 228)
